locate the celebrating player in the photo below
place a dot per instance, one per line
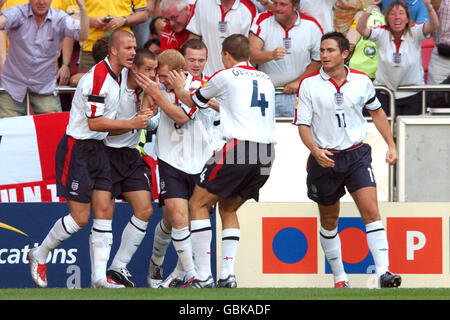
(332, 126)
(237, 172)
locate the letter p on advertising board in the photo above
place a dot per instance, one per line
(415, 245)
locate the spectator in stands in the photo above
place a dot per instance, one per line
(69, 46)
(106, 16)
(177, 14)
(439, 67)
(99, 52)
(344, 13)
(262, 5)
(142, 30)
(364, 56)
(417, 9)
(399, 60)
(321, 10)
(36, 32)
(213, 21)
(285, 44)
(153, 45)
(156, 27)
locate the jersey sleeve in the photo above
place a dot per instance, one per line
(371, 101)
(193, 25)
(417, 32)
(303, 106)
(209, 90)
(94, 98)
(376, 33)
(315, 49)
(153, 122)
(256, 26)
(190, 112)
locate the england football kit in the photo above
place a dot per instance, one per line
(81, 161)
(335, 116)
(247, 116)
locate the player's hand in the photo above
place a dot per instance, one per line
(375, 2)
(392, 155)
(322, 157)
(149, 86)
(140, 121)
(177, 79)
(278, 53)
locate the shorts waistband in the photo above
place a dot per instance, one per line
(348, 149)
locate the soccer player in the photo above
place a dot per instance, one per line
(83, 174)
(195, 55)
(332, 126)
(236, 172)
(183, 144)
(129, 177)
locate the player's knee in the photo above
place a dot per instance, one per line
(81, 221)
(179, 220)
(329, 222)
(144, 213)
(370, 216)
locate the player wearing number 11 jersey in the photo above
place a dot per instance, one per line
(331, 125)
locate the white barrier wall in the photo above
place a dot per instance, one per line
(279, 245)
(287, 182)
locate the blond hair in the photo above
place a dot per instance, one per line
(171, 58)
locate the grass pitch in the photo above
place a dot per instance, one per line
(238, 294)
(239, 303)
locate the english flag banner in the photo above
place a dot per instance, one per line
(27, 157)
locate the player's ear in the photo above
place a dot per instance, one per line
(345, 54)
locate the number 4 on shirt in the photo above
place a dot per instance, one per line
(261, 103)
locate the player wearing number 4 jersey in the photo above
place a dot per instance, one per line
(237, 172)
(331, 125)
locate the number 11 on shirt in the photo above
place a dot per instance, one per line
(341, 120)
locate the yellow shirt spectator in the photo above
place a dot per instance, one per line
(114, 8)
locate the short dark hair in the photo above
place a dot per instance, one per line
(238, 46)
(141, 54)
(115, 36)
(339, 37)
(100, 49)
(194, 43)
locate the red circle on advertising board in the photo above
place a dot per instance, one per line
(354, 245)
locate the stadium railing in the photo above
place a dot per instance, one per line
(425, 111)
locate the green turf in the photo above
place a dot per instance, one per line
(227, 294)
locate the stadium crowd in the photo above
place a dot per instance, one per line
(169, 26)
(45, 44)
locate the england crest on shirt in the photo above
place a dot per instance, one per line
(339, 98)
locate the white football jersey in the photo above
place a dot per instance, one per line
(210, 22)
(302, 42)
(97, 95)
(399, 63)
(334, 112)
(246, 97)
(186, 147)
(130, 104)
